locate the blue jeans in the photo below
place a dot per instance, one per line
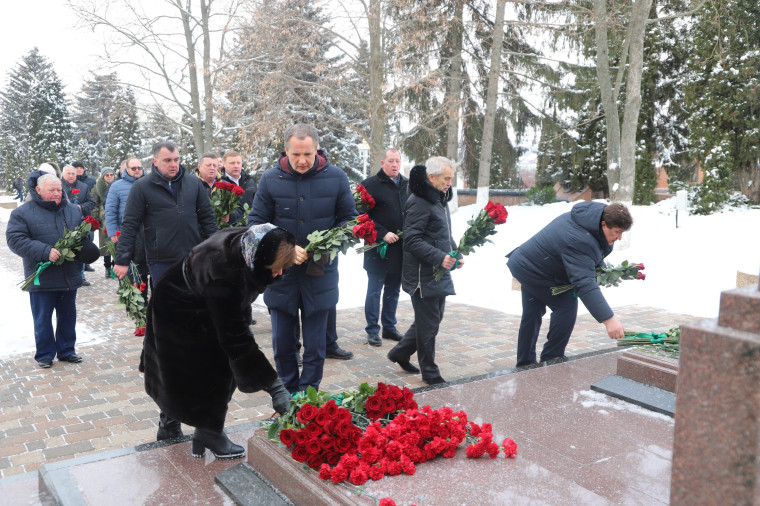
(285, 342)
(390, 285)
(535, 300)
(157, 270)
(61, 343)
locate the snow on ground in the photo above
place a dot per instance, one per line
(686, 267)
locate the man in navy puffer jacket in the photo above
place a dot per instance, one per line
(566, 251)
(32, 231)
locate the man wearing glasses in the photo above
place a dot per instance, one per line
(115, 205)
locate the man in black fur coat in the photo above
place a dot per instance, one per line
(198, 342)
(427, 247)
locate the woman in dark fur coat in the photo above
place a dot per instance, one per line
(198, 343)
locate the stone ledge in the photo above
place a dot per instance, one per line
(649, 369)
(746, 279)
(740, 309)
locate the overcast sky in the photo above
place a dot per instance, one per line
(51, 26)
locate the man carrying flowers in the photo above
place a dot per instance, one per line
(427, 244)
(33, 230)
(566, 251)
(303, 193)
(389, 189)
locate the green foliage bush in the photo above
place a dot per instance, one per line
(540, 195)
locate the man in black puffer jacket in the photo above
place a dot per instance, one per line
(427, 246)
(566, 251)
(174, 210)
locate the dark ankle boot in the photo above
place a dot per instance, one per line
(217, 442)
(168, 428)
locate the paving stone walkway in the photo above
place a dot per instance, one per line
(72, 410)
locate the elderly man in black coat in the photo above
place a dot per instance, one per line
(566, 251)
(390, 189)
(427, 246)
(198, 342)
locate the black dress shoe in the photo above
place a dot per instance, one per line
(373, 339)
(393, 335)
(435, 380)
(85, 283)
(339, 354)
(405, 364)
(73, 358)
(45, 363)
(88, 268)
(217, 442)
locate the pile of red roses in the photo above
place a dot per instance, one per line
(363, 200)
(388, 399)
(328, 439)
(365, 229)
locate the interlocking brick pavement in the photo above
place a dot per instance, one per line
(72, 410)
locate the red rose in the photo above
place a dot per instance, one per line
(94, 224)
(287, 436)
(327, 442)
(332, 458)
(387, 501)
(299, 453)
(330, 408)
(313, 429)
(301, 437)
(510, 448)
(238, 190)
(641, 276)
(118, 233)
(342, 445)
(373, 403)
(639, 266)
(306, 413)
(497, 212)
(140, 331)
(75, 192)
(313, 447)
(315, 461)
(362, 218)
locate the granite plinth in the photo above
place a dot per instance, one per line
(646, 396)
(740, 309)
(717, 435)
(649, 369)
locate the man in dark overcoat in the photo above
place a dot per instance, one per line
(302, 193)
(566, 251)
(390, 189)
(427, 247)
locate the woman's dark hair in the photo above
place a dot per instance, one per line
(617, 215)
(275, 251)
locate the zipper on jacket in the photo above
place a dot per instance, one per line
(419, 278)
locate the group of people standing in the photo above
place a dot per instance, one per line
(198, 345)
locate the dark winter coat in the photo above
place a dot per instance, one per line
(87, 181)
(115, 206)
(388, 215)
(427, 237)
(83, 198)
(18, 185)
(249, 185)
(176, 216)
(99, 194)
(320, 199)
(33, 229)
(198, 343)
(567, 251)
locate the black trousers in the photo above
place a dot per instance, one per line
(420, 337)
(535, 300)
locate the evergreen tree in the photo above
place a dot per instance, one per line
(95, 105)
(34, 121)
(124, 131)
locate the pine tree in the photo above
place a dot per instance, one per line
(124, 131)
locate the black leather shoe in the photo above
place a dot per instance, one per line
(85, 283)
(435, 380)
(373, 339)
(168, 428)
(405, 364)
(45, 363)
(88, 268)
(217, 442)
(553, 360)
(339, 354)
(73, 358)
(393, 335)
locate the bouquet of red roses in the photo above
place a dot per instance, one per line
(363, 200)
(340, 239)
(483, 225)
(607, 275)
(224, 200)
(68, 245)
(130, 292)
(360, 435)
